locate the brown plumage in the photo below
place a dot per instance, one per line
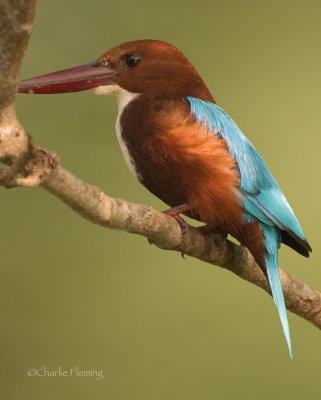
(180, 161)
(166, 72)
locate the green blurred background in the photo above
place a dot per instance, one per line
(75, 294)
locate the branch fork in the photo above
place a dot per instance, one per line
(34, 164)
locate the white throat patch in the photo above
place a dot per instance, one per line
(123, 98)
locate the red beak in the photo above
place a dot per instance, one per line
(74, 79)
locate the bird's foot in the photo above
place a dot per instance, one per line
(174, 213)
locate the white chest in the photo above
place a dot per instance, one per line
(129, 160)
(123, 98)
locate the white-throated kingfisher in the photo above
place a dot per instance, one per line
(187, 151)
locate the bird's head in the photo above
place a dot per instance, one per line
(148, 67)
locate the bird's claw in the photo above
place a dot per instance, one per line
(182, 223)
(174, 213)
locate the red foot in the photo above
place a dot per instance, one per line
(174, 213)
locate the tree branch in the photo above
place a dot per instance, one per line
(40, 167)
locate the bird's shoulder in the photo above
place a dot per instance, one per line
(157, 112)
(171, 123)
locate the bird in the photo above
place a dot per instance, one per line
(186, 150)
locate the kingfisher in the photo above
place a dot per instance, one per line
(188, 151)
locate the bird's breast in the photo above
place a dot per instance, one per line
(124, 98)
(140, 133)
(125, 150)
(178, 159)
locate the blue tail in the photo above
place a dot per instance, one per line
(271, 241)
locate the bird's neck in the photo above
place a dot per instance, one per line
(122, 96)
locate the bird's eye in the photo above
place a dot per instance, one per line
(132, 60)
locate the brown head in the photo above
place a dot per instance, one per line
(149, 67)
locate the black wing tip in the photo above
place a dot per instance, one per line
(309, 248)
(304, 253)
(296, 243)
(306, 246)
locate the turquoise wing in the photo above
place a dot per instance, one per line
(261, 198)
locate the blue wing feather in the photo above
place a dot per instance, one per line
(271, 242)
(261, 197)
